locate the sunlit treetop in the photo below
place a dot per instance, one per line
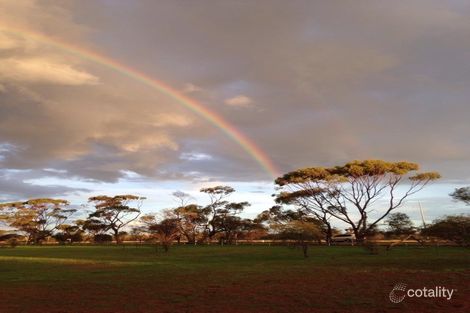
(36, 203)
(356, 169)
(308, 174)
(221, 190)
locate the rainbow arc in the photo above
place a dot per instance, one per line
(210, 115)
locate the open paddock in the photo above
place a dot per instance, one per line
(244, 278)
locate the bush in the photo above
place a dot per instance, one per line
(455, 228)
(64, 237)
(102, 238)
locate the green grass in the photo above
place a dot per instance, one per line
(275, 278)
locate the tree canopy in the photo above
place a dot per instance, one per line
(37, 218)
(114, 213)
(455, 228)
(352, 189)
(399, 224)
(462, 194)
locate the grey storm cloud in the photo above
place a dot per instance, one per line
(311, 82)
(15, 185)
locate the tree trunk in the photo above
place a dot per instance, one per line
(117, 237)
(360, 235)
(305, 249)
(329, 234)
(166, 246)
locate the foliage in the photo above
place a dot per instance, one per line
(167, 231)
(113, 213)
(221, 215)
(138, 233)
(102, 238)
(455, 228)
(292, 225)
(195, 223)
(69, 233)
(399, 224)
(462, 194)
(351, 189)
(288, 224)
(191, 221)
(37, 218)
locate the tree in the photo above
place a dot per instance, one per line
(455, 228)
(189, 215)
(219, 211)
(38, 218)
(92, 226)
(462, 194)
(138, 233)
(165, 230)
(352, 189)
(182, 198)
(309, 202)
(399, 224)
(114, 213)
(68, 233)
(102, 238)
(191, 221)
(227, 223)
(292, 225)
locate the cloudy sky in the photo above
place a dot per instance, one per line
(311, 83)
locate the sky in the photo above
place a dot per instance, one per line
(308, 83)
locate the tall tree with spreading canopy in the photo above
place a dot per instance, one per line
(191, 221)
(114, 213)
(189, 217)
(349, 192)
(220, 213)
(37, 218)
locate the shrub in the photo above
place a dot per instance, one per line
(102, 238)
(455, 228)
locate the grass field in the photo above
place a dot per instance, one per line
(114, 279)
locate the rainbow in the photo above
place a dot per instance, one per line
(211, 116)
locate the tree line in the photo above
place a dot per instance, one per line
(307, 202)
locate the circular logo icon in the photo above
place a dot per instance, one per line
(398, 293)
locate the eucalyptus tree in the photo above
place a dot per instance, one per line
(350, 192)
(219, 213)
(166, 231)
(37, 218)
(310, 202)
(191, 221)
(114, 213)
